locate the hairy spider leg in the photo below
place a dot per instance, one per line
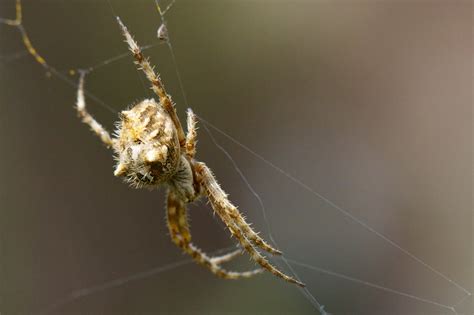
(191, 136)
(220, 204)
(179, 230)
(156, 84)
(233, 212)
(87, 118)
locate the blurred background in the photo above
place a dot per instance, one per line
(369, 103)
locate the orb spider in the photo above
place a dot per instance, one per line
(151, 149)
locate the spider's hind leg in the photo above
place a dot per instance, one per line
(181, 236)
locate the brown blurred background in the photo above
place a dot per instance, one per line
(367, 102)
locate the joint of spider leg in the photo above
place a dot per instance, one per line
(18, 16)
(139, 56)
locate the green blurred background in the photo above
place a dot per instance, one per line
(367, 102)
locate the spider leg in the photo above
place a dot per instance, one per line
(227, 257)
(181, 236)
(156, 84)
(191, 135)
(223, 201)
(224, 209)
(87, 118)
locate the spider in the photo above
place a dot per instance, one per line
(151, 149)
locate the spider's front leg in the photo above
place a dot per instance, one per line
(191, 136)
(156, 84)
(87, 118)
(233, 212)
(232, 218)
(181, 236)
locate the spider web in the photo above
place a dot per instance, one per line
(346, 257)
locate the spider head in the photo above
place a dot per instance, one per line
(147, 146)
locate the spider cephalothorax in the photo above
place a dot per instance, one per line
(152, 149)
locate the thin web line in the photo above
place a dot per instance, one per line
(325, 271)
(372, 285)
(170, 47)
(118, 57)
(80, 293)
(304, 290)
(461, 301)
(333, 205)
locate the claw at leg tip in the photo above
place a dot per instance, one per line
(119, 21)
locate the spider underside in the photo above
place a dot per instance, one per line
(151, 149)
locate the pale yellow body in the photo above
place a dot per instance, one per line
(152, 149)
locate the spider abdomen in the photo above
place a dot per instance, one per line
(147, 145)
